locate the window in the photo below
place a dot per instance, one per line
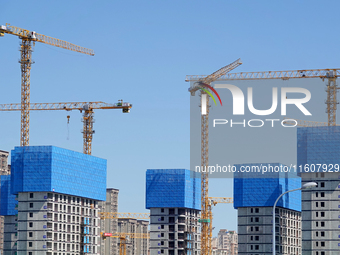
(257, 210)
(31, 215)
(30, 244)
(322, 174)
(162, 251)
(322, 204)
(257, 238)
(31, 224)
(322, 253)
(251, 210)
(322, 223)
(251, 238)
(257, 228)
(316, 233)
(162, 234)
(257, 247)
(257, 219)
(162, 242)
(316, 194)
(251, 247)
(251, 229)
(322, 184)
(30, 234)
(251, 219)
(316, 204)
(30, 253)
(322, 244)
(316, 214)
(31, 205)
(162, 209)
(322, 233)
(162, 226)
(322, 214)
(162, 218)
(31, 195)
(316, 224)
(316, 244)
(322, 194)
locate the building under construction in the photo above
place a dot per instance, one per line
(174, 199)
(254, 198)
(318, 154)
(58, 193)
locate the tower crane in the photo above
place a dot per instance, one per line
(28, 39)
(86, 107)
(330, 74)
(203, 84)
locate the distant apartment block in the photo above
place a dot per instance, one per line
(109, 245)
(254, 198)
(140, 244)
(227, 242)
(174, 199)
(318, 154)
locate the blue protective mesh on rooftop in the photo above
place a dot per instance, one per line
(318, 145)
(49, 168)
(7, 200)
(172, 188)
(260, 192)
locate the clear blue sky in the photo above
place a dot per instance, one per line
(143, 50)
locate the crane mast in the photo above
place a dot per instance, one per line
(28, 39)
(206, 227)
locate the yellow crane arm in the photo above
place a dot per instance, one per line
(130, 235)
(212, 77)
(284, 75)
(35, 37)
(115, 215)
(223, 200)
(67, 106)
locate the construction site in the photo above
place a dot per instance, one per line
(58, 201)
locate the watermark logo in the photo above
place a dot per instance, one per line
(238, 99)
(204, 96)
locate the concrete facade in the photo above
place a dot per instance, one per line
(109, 245)
(174, 231)
(255, 231)
(5, 169)
(135, 246)
(57, 224)
(320, 214)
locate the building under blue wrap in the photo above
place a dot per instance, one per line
(258, 190)
(7, 200)
(49, 168)
(318, 145)
(173, 188)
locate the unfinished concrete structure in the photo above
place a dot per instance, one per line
(109, 245)
(318, 156)
(254, 198)
(57, 224)
(173, 197)
(135, 246)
